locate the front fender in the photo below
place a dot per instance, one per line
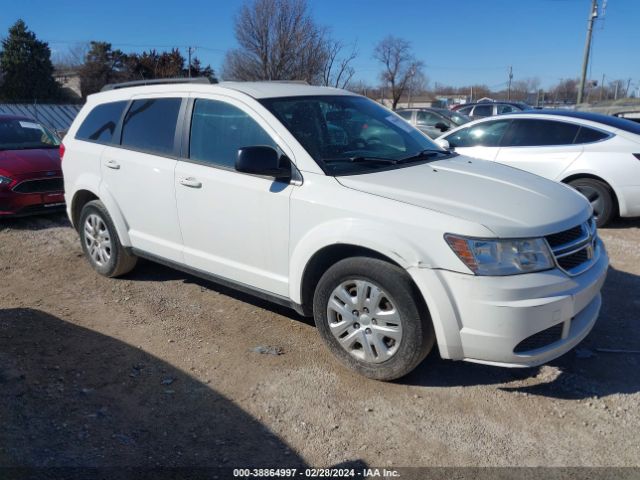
(354, 232)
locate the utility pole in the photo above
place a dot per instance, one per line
(189, 50)
(615, 95)
(626, 91)
(593, 14)
(602, 87)
(510, 77)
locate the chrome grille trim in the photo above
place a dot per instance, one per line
(586, 246)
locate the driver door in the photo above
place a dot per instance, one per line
(234, 225)
(427, 121)
(479, 141)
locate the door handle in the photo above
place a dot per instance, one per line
(112, 164)
(190, 182)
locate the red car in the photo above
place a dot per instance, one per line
(30, 168)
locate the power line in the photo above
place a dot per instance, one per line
(136, 45)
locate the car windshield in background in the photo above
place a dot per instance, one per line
(349, 134)
(25, 135)
(456, 117)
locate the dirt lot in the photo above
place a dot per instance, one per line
(159, 368)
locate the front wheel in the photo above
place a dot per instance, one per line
(599, 195)
(370, 315)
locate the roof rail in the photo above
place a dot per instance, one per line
(157, 81)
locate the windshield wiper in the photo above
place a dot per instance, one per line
(427, 153)
(360, 159)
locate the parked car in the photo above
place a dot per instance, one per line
(433, 121)
(489, 109)
(599, 155)
(30, 171)
(390, 242)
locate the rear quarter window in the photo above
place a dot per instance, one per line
(100, 125)
(589, 135)
(150, 125)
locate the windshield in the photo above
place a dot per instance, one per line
(349, 134)
(456, 117)
(19, 134)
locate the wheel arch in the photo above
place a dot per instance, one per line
(80, 199)
(577, 176)
(84, 195)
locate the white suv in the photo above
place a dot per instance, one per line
(327, 202)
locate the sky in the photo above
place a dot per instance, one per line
(461, 42)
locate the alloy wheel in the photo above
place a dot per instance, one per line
(364, 320)
(97, 239)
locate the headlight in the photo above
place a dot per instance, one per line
(502, 257)
(5, 181)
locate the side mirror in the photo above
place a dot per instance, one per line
(444, 144)
(263, 160)
(443, 127)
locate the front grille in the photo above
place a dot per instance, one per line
(575, 249)
(574, 260)
(566, 237)
(540, 339)
(42, 185)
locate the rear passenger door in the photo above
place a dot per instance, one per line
(234, 225)
(138, 174)
(543, 147)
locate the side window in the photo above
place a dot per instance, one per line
(406, 114)
(465, 110)
(487, 134)
(588, 135)
(536, 133)
(427, 118)
(483, 111)
(101, 122)
(506, 109)
(219, 130)
(150, 125)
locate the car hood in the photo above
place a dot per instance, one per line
(20, 162)
(508, 201)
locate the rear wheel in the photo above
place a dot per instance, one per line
(370, 315)
(100, 242)
(599, 195)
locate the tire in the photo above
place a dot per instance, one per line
(111, 259)
(600, 196)
(396, 310)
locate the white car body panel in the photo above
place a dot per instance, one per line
(547, 162)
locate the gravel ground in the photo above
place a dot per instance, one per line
(161, 368)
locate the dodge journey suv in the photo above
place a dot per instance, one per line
(325, 201)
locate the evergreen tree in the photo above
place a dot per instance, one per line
(26, 67)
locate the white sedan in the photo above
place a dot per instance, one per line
(598, 155)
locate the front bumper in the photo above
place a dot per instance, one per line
(484, 319)
(14, 204)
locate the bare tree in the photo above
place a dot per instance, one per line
(73, 58)
(337, 70)
(400, 65)
(278, 40)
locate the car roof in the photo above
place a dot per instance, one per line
(609, 120)
(257, 90)
(281, 89)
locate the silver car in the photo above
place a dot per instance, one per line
(433, 121)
